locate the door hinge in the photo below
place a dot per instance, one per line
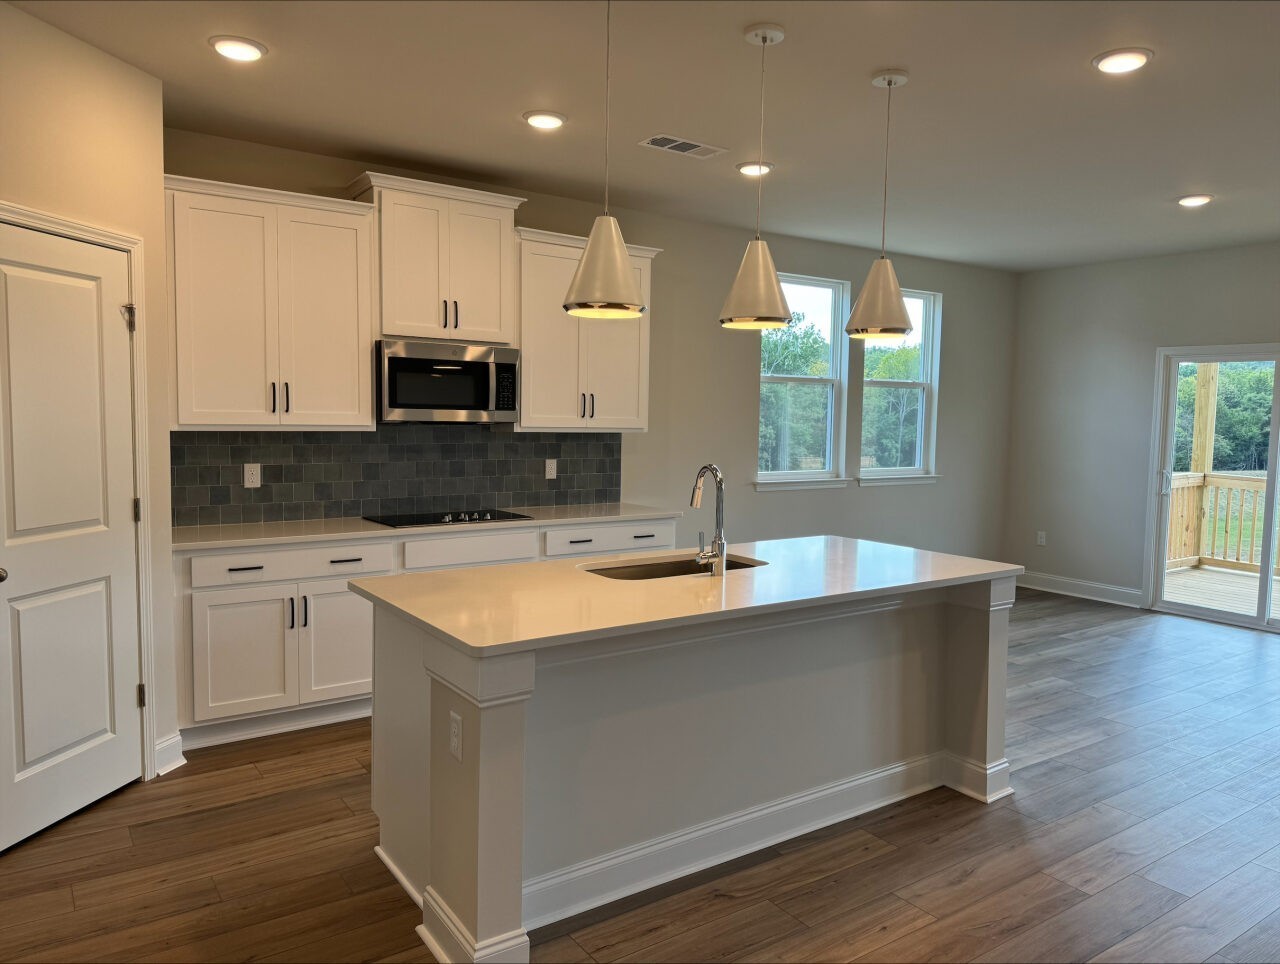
(137, 510)
(142, 695)
(130, 312)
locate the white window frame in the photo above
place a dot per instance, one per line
(930, 357)
(839, 382)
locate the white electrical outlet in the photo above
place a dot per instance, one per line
(551, 468)
(1041, 537)
(455, 735)
(252, 475)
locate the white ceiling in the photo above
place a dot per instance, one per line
(1009, 149)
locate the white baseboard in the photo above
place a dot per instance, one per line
(449, 940)
(986, 784)
(580, 887)
(282, 721)
(169, 754)
(398, 874)
(1100, 591)
(589, 884)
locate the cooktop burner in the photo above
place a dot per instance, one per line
(406, 519)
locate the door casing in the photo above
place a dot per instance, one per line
(132, 247)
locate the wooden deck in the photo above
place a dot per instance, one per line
(1222, 589)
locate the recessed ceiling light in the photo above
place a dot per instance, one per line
(1195, 200)
(238, 48)
(755, 168)
(1122, 61)
(545, 120)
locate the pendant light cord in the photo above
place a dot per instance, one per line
(764, 43)
(608, 77)
(884, 208)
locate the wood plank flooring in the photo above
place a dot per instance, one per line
(1145, 827)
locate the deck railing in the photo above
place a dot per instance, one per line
(1216, 519)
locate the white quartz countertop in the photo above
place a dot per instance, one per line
(192, 538)
(491, 610)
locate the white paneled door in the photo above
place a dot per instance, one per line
(70, 727)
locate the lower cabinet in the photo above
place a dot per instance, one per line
(335, 642)
(268, 647)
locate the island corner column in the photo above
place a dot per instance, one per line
(448, 756)
(975, 661)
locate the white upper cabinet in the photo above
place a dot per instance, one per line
(584, 374)
(273, 307)
(326, 317)
(226, 308)
(449, 260)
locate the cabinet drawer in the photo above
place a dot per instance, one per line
(614, 538)
(470, 550)
(276, 564)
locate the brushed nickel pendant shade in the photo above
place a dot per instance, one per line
(880, 311)
(605, 286)
(756, 300)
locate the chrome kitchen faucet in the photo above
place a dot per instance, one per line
(717, 556)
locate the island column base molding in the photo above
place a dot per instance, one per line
(657, 752)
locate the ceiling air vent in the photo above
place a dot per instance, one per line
(681, 145)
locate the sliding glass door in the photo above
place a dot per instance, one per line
(1217, 518)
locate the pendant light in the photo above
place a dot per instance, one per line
(880, 311)
(756, 300)
(605, 286)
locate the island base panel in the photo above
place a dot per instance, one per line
(657, 754)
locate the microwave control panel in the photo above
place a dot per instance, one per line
(505, 388)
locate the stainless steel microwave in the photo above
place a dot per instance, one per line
(432, 381)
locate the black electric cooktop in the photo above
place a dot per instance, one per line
(406, 519)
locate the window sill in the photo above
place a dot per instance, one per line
(898, 479)
(783, 485)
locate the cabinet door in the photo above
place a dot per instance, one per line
(481, 240)
(614, 366)
(415, 265)
(226, 310)
(549, 393)
(335, 648)
(326, 329)
(244, 650)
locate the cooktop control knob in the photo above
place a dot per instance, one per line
(487, 517)
(447, 518)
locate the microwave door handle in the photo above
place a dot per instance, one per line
(493, 385)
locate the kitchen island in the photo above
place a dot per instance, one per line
(547, 738)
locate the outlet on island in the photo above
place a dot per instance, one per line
(455, 735)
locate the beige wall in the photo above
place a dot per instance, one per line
(1085, 369)
(81, 137)
(704, 391)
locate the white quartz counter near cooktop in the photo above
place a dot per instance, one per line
(526, 606)
(191, 538)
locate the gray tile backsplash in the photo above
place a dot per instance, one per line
(400, 467)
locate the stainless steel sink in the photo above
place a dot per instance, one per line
(665, 568)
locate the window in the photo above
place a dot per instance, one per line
(900, 397)
(802, 388)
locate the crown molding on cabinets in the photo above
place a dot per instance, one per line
(391, 182)
(247, 192)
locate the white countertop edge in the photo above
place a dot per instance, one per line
(363, 529)
(998, 571)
